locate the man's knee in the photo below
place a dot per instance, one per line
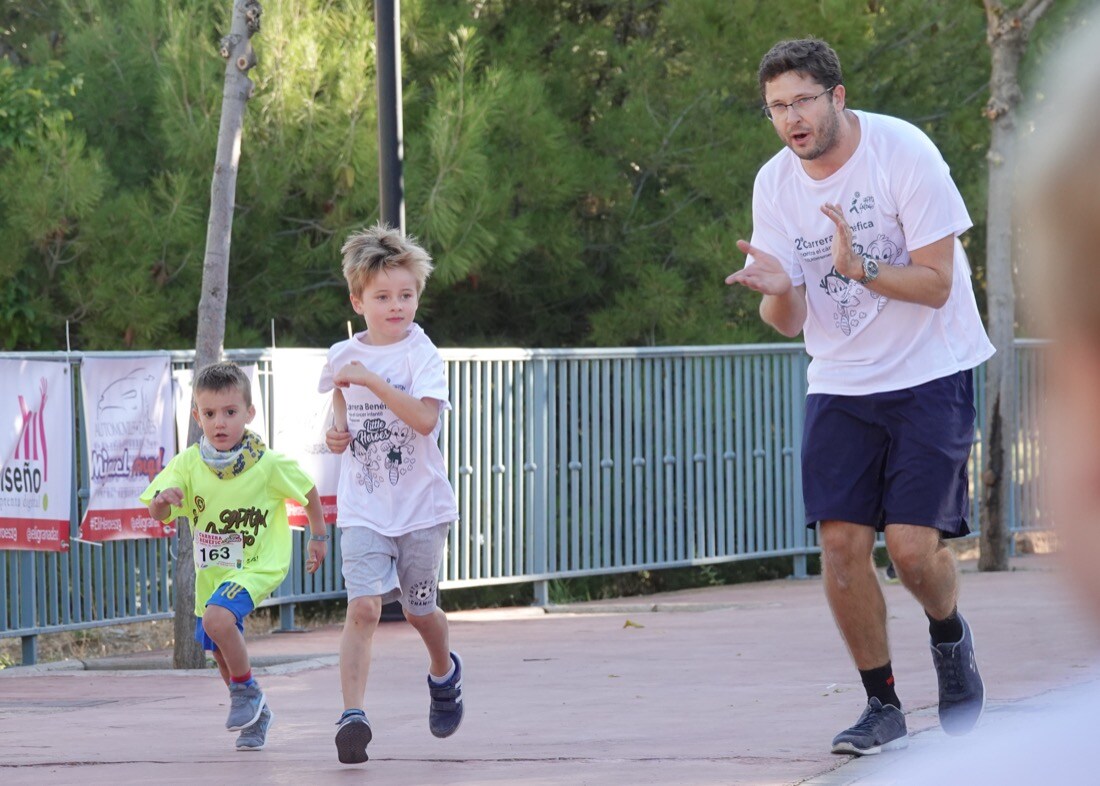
(913, 550)
(845, 547)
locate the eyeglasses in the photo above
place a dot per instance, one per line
(778, 110)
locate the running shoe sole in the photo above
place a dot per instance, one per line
(892, 745)
(351, 742)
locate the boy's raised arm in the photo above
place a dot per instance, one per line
(420, 413)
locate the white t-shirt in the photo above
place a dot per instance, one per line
(392, 479)
(897, 193)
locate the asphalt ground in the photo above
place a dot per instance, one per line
(745, 684)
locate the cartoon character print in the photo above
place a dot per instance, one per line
(843, 293)
(399, 452)
(366, 453)
(884, 251)
(382, 452)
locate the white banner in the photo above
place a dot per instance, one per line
(36, 446)
(300, 419)
(127, 406)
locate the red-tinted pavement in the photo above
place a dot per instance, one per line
(728, 685)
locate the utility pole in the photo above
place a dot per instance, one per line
(391, 143)
(391, 148)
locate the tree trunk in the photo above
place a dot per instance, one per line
(1008, 34)
(236, 48)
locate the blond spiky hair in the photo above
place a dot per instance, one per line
(370, 251)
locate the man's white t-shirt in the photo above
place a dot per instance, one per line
(897, 193)
(392, 479)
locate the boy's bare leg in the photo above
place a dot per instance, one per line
(355, 648)
(222, 667)
(221, 626)
(853, 591)
(435, 633)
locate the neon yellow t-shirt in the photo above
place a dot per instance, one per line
(252, 503)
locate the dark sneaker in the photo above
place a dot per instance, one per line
(254, 737)
(446, 711)
(962, 692)
(245, 704)
(352, 738)
(891, 574)
(879, 728)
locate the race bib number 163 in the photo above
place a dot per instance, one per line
(221, 549)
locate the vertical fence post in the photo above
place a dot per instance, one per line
(30, 650)
(797, 398)
(27, 617)
(542, 593)
(286, 618)
(542, 478)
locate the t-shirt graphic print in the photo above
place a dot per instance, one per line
(392, 479)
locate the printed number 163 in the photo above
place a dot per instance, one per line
(218, 552)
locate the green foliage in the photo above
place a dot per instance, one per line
(31, 98)
(578, 170)
(53, 185)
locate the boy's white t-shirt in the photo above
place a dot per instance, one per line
(392, 479)
(897, 193)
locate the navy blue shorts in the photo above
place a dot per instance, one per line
(229, 595)
(891, 458)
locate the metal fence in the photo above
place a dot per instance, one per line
(565, 463)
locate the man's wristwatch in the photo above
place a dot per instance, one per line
(320, 537)
(870, 270)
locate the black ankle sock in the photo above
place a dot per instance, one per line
(879, 684)
(946, 631)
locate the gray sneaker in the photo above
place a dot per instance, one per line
(879, 728)
(352, 738)
(445, 713)
(254, 737)
(962, 692)
(245, 704)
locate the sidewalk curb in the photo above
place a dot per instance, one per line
(151, 666)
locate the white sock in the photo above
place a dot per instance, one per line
(445, 677)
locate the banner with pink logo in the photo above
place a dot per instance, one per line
(128, 419)
(300, 419)
(36, 446)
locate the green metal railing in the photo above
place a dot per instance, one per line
(565, 463)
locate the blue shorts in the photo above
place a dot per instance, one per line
(891, 458)
(229, 596)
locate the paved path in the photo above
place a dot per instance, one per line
(728, 685)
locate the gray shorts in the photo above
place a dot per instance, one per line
(405, 567)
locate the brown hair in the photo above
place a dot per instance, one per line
(810, 57)
(223, 376)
